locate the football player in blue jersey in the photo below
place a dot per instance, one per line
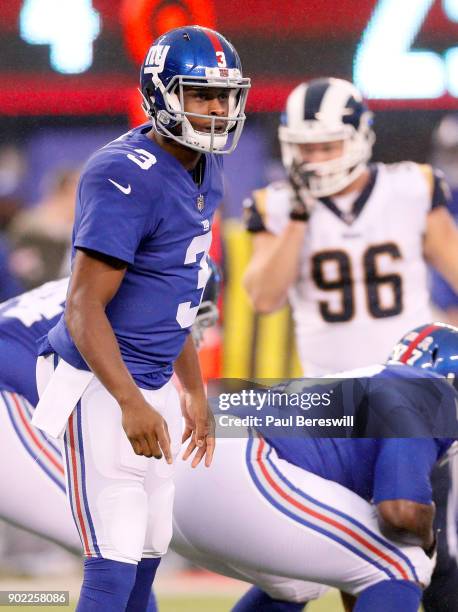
(294, 513)
(32, 455)
(23, 321)
(25, 449)
(144, 211)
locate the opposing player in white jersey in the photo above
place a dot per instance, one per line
(344, 240)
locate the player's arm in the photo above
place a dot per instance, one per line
(402, 489)
(199, 421)
(441, 235)
(274, 265)
(95, 281)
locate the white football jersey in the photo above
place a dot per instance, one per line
(363, 279)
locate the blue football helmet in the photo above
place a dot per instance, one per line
(193, 56)
(326, 110)
(208, 314)
(432, 347)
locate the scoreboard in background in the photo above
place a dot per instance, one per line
(389, 63)
(82, 56)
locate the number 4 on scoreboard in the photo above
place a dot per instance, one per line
(69, 27)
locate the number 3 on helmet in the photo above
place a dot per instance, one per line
(193, 56)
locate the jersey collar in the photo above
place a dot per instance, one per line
(359, 203)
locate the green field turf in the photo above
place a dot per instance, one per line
(330, 603)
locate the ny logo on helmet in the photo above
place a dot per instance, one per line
(155, 60)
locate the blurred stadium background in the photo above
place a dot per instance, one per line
(68, 70)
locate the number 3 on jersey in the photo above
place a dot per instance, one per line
(200, 244)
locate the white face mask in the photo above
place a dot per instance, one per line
(213, 141)
(326, 178)
(207, 316)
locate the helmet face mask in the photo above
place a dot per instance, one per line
(188, 57)
(322, 111)
(208, 313)
(207, 316)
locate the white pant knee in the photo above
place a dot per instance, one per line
(123, 513)
(160, 520)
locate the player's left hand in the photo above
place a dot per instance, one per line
(199, 428)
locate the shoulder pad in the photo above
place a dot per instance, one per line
(439, 190)
(254, 209)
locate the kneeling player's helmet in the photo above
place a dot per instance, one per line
(207, 315)
(432, 347)
(326, 110)
(197, 57)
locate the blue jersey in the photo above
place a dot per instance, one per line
(23, 320)
(138, 204)
(420, 404)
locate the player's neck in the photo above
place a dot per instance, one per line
(187, 157)
(357, 185)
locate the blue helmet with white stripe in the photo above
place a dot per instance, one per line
(432, 347)
(197, 57)
(326, 110)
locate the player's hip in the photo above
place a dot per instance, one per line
(252, 503)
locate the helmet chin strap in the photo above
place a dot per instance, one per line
(188, 136)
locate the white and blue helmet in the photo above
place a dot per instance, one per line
(326, 110)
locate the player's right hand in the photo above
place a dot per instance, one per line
(146, 429)
(301, 203)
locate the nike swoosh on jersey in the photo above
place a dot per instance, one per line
(125, 190)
